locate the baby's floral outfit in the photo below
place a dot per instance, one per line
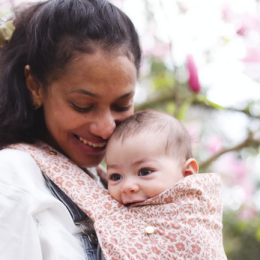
(187, 219)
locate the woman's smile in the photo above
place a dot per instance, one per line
(95, 145)
(88, 147)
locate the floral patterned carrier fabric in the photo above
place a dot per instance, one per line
(187, 219)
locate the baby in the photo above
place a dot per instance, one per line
(147, 154)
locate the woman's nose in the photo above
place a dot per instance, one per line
(103, 125)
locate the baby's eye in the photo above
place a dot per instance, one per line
(144, 172)
(115, 177)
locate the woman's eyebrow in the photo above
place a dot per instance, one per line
(126, 95)
(85, 92)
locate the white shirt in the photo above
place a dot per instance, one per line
(33, 224)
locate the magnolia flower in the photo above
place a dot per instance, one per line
(252, 55)
(247, 23)
(193, 81)
(227, 14)
(214, 144)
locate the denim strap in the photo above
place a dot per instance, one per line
(81, 219)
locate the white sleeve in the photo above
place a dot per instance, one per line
(34, 225)
(18, 232)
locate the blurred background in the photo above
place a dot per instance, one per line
(201, 64)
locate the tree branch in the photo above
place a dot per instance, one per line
(169, 96)
(250, 141)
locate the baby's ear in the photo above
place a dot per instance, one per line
(190, 167)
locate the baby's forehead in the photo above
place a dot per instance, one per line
(144, 135)
(156, 141)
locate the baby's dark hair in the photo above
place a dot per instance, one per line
(175, 136)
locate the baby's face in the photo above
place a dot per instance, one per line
(139, 168)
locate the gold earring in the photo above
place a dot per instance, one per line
(36, 106)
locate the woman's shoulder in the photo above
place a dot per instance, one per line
(19, 171)
(12, 160)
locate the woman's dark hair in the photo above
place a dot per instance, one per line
(47, 37)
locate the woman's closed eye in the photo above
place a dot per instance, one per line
(82, 109)
(144, 172)
(123, 105)
(115, 177)
(87, 109)
(121, 109)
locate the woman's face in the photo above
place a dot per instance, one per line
(83, 106)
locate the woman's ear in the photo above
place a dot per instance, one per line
(35, 88)
(190, 167)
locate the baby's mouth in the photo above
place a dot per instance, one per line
(128, 204)
(86, 142)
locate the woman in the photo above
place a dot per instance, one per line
(67, 78)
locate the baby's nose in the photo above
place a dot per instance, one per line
(130, 187)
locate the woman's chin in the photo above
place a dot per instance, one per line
(90, 164)
(86, 161)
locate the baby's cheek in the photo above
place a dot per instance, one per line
(154, 190)
(114, 191)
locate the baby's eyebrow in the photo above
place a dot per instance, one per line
(113, 166)
(144, 160)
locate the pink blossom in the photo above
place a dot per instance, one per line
(227, 14)
(236, 169)
(159, 50)
(252, 55)
(247, 213)
(247, 23)
(214, 144)
(193, 81)
(183, 7)
(235, 172)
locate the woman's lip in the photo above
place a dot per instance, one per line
(86, 148)
(95, 145)
(92, 139)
